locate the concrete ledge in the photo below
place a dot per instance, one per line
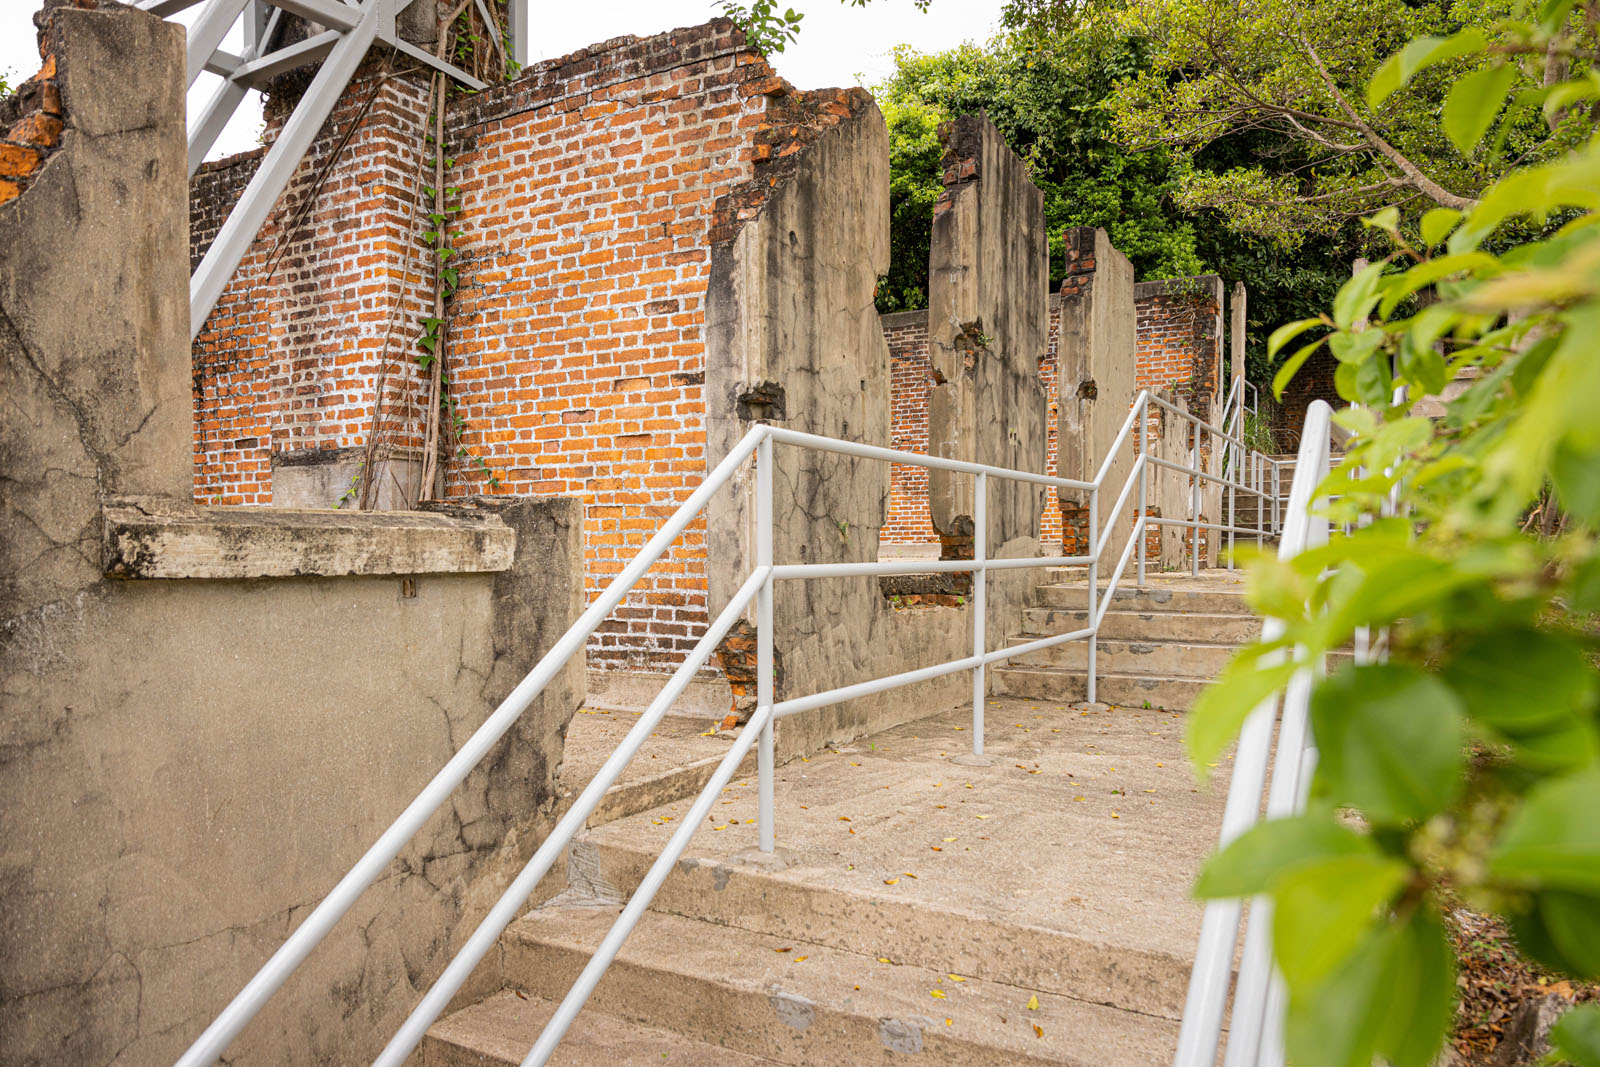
(158, 538)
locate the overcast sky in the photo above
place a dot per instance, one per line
(838, 45)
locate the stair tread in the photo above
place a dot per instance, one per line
(1104, 642)
(817, 1004)
(502, 1028)
(1104, 674)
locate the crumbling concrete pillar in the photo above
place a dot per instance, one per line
(1095, 384)
(988, 324)
(1236, 313)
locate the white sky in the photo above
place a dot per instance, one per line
(838, 45)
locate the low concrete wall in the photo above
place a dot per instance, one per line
(191, 754)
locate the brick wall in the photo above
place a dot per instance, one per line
(1313, 381)
(31, 120)
(908, 521)
(592, 189)
(1179, 323)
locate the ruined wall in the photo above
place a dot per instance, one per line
(589, 189)
(988, 282)
(906, 334)
(1180, 337)
(191, 755)
(791, 319)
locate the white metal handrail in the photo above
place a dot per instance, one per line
(758, 732)
(1255, 1026)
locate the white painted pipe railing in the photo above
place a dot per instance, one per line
(758, 732)
(1254, 1035)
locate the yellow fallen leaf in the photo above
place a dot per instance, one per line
(1038, 1031)
(1078, 799)
(891, 881)
(1149, 790)
(884, 959)
(844, 818)
(948, 840)
(1114, 815)
(786, 948)
(983, 816)
(800, 959)
(936, 848)
(936, 993)
(907, 874)
(957, 978)
(724, 826)
(1033, 1002)
(1161, 765)
(947, 1022)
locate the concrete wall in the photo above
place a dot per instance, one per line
(988, 283)
(187, 764)
(791, 324)
(1096, 383)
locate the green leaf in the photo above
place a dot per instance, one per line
(1573, 922)
(1284, 334)
(1473, 103)
(1553, 839)
(1520, 680)
(1358, 296)
(1323, 910)
(1575, 1037)
(1390, 741)
(1258, 858)
(1281, 379)
(1421, 993)
(1437, 224)
(1338, 1023)
(1577, 480)
(1420, 54)
(1222, 707)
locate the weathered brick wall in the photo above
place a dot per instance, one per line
(1313, 381)
(31, 121)
(908, 521)
(592, 189)
(324, 307)
(1180, 336)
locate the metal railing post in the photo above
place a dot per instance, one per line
(980, 583)
(1144, 495)
(1094, 579)
(764, 666)
(1194, 501)
(1277, 505)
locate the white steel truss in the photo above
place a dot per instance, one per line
(343, 32)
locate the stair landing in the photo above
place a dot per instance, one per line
(1060, 872)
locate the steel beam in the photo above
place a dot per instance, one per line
(244, 222)
(208, 31)
(223, 63)
(213, 118)
(254, 73)
(163, 8)
(517, 15)
(326, 12)
(428, 59)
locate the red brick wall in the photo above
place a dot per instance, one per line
(324, 303)
(908, 521)
(1313, 381)
(592, 188)
(1179, 324)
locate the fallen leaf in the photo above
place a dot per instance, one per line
(1114, 815)
(1078, 799)
(724, 826)
(907, 874)
(786, 948)
(936, 993)
(947, 1022)
(801, 959)
(884, 959)
(957, 978)
(948, 840)
(844, 818)
(983, 816)
(1038, 1031)
(936, 848)
(1033, 1002)
(891, 881)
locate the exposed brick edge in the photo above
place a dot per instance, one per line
(961, 163)
(33, 117)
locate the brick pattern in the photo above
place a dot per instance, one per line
(1313, 381)
(1179, 330)
(593, 188)
(908, 521)
(32, 119)
(323, 310)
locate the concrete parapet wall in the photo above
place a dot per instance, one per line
(188, 763)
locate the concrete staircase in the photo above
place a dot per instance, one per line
(1032, 911)
(1035, 910)
(1158, 647)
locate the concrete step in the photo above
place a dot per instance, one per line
(1124, 690)
(1148, 625)
(1158, 596)
(799, 1003)
(1185, 659)
(499, 1031)
(943, 936)
(676, 761)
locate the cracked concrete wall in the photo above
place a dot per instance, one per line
(1095, 385)
(188, 765)
(988, 328)
(793, 339)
